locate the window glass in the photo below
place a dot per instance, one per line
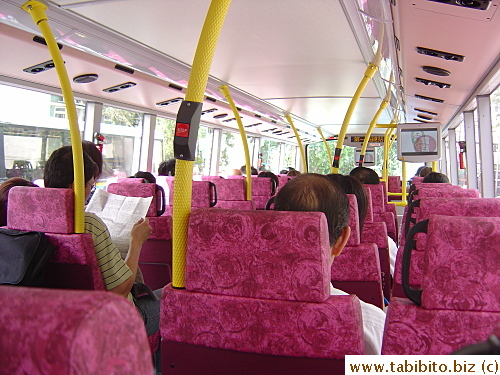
(163, 148)
(122, 132)
(270, 155)
(495, 118)
(28, 137)
(478, 155)
(290, 157)
(203, 151)
(460, 136)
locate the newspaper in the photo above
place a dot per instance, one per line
(119, 213)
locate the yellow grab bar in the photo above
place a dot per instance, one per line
(37, 11)
(184, 168)
(328, 152)
(301, 146)
(225, 91)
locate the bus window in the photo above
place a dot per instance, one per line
(270, 151)
(495, 105)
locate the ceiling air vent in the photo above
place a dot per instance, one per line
(124, 69)
(474, 4)
(425, 111)
(176, 87)
(211, 99)
(440, 54)
(417, 119)
(230, 119)
(436, 71)
(222, 115)
(249, 126)
(38, 68)
(428, 82)
(428, 118)
(429, 98)
(168, 102)
(208, 111)
(41, 40)
(85, 78)
(119, 87)
(258, 116)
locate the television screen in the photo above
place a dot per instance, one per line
(369, 160)
(418, 142)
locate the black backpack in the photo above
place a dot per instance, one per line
(23, 257)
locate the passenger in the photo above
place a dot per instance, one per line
(365, 175)
(4, 195)
(351, 185)
(91, 150)
(423, 171)
(272, 176)
(118, 275)
(167, 168)
(436, 177)
(293, 173)
(314, 192)
(243, 170)
(146, 176)
(235, 172)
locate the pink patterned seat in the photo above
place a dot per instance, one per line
(459, 303)
(424, 208)
(74, 264)
(130, 180)
(47, 331)
(231, 193)
(379, 202)
(257, 292)
(204, 194)
(357, 269)
(127, 189)
(263, 188)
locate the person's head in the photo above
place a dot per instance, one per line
(293, 173)
(59, 170)
(436, 177)
(284, 171)
(365, 175)
(167, 168)
(351, 185)
(243, 170)
(271, 175)
(147, 176)
(315, 192)
(91, 150)
(235, 172)
(424, 171)
(4, 195)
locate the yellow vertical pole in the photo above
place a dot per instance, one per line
(403, 182)
(299, 141)
(225, 91)
(37, 12)
(184, 168)
(328, 152)
(369, 73)
(434, 166)
(386, 154)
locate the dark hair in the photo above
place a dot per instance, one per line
(91, 150)
(254, 170)
(4, 195)
(365, 175)
(436, 177)
(293, 173)
(271, 175)
(59, 168)
(351, 185)
(167, 168)
(147, 176)
(424, 171)
(315, 192)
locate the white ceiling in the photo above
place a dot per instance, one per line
(301, 57)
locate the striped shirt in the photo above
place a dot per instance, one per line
(114, 270)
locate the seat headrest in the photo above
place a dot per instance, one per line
(369, 207)
(259, 254)
(446, 192)
(41, 209)
(231, 190)
(354, 238)
(379, 198)
(472, 207)
(130, 180)
(157, 206)
(461, 264)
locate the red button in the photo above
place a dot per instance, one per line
(182, 130)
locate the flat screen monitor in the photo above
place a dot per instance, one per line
(370, 158)
(419, 142)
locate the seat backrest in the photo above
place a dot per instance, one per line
(157, 206)
(379, 199)
(247, 280)
(231, 190)
(394, 184)
(130, 180)
(263, 186)
(369, 207)
(47, 331)
(73, 264)
(204, 193)
(354, 238)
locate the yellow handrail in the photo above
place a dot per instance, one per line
(369, 73)
(299, 141)
(328, 152)
(225, 91)
(184, 168)
(37, 12)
